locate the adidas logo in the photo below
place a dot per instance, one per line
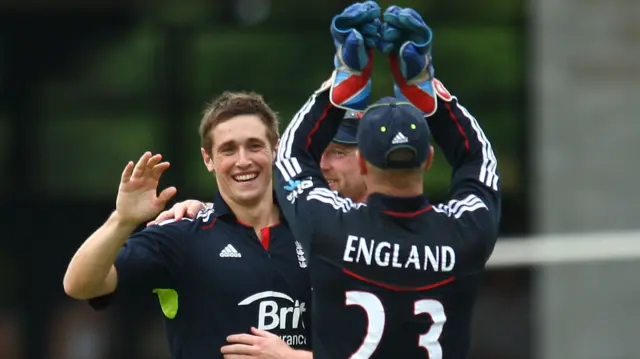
(399, 138)
(230, 252)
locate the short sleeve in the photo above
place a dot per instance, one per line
(149, 259)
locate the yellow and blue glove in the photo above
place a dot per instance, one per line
(406, 38)
(356, 34)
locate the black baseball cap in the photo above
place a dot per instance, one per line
(348, 131)
(391, 124)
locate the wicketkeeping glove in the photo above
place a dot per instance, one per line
(407, 39)
(355, 32)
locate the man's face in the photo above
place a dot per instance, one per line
(339, 165)
(241, 158)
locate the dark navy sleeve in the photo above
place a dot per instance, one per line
(475, 186)
(149, 259)
(303, 194)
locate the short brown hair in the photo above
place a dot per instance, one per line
(232, 104)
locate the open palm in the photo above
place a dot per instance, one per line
(138, 200)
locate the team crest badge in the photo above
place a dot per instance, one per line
(302, 260)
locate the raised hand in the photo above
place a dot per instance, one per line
(137, 199)
(407, 39)
(359, 20)
(401, 25)
(355, 33)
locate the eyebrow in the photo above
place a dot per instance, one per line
(342, 147)
(227, 144)
(235, 142)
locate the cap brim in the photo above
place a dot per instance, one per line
(345, 138)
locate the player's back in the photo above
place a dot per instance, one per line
(396, 285)
(394, 277)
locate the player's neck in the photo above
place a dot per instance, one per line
(263, 213)
(390, 190)
(361, 199)
(361, 196)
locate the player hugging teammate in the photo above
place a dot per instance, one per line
(396, 276)
(393, 275)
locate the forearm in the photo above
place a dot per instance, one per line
(91, 272)
(312, 128)
(454, 132)
(469, 151)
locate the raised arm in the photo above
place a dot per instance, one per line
(303, 193)
(475, 188)
(475, 181)
(91, 272)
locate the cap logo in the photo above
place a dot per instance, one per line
(399, 138)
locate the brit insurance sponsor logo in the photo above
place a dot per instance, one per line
(278, 311)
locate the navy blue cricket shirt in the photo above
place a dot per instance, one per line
(214, 277)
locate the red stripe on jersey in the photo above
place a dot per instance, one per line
(398, 288)
(265, 233)
(210, 225)
(409, 214)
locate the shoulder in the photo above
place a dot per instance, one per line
(204, 216)
(184, 227)
(469, 213)
(333, 199)
(465, 206)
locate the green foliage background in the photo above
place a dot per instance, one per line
(86, 139)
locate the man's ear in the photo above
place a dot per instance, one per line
(362, 163)
(208, 160)
(275, 148)
(429, 162)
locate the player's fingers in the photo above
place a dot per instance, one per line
(237, 356)
(167, 194)
(126, 173)
(357, 14)
(163, 216)
(390, 14)
(389, 33)
(239, 349)
(412, 18)
(179, 210)
(138, 170)
(261, 333)
(400, 18)
(406, 19)
(151, 164)
(194, 207)
(247, 339)
(159, 169)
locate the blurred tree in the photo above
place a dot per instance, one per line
(478, 54)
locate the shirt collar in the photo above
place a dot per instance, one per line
(222, 210)
(220, 207)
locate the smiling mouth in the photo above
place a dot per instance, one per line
(332, 182)
(245, 177)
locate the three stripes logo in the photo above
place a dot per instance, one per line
(456, 208)
(230, 252)
(399, 138)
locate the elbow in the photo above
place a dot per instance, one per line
(74, 288)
